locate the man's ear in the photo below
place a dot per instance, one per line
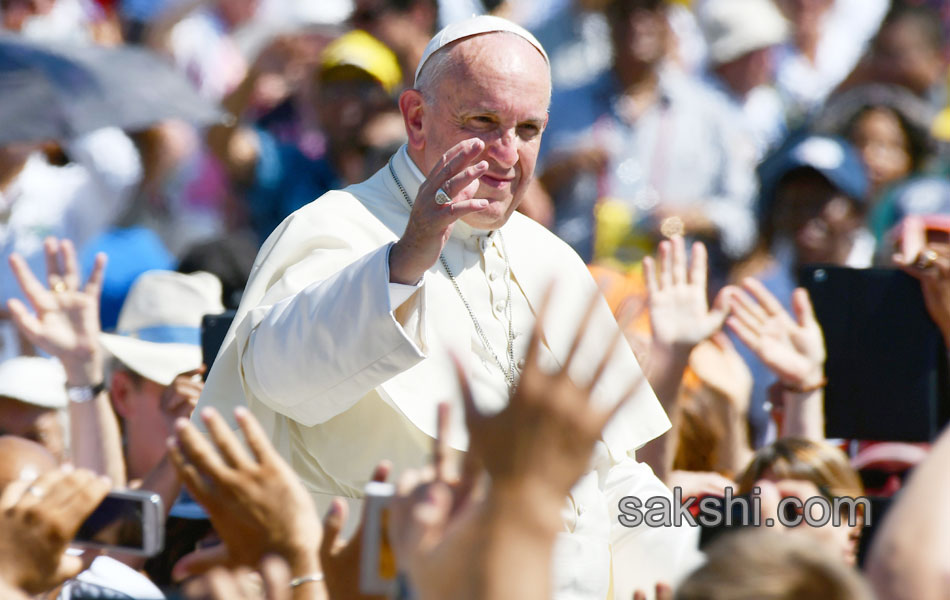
(413, 106)
(120, 392)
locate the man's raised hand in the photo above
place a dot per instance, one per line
(430, 223)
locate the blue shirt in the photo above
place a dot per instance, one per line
(285, 179)
(689, 148)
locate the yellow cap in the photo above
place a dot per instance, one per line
(361, 50)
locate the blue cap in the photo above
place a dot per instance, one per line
(835, 159)
(185, 507)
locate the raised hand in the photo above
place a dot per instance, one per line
(430, 224)
(546, 433)
(930, 264)
(679, 312)
(793, 349)
(66, 323)
(254, 500)
(38, 520)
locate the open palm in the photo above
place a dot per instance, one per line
(792, 348)
(66, 319)
(679, 312)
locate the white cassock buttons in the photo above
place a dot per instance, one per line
(500, 307)
(492, 276)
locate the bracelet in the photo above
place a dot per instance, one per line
(804, 389)
(311, 578)
(81, 394)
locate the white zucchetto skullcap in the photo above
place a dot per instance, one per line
(475, 26)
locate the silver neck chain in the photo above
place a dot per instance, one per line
(509, 373)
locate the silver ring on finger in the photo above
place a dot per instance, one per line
(35, 490)
(441, 197)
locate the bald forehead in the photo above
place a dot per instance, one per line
(495, 52)
(500, 43)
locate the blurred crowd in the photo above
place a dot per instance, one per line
(698, 154)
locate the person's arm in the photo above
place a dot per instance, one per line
(232, 141)
(680, 318)
(727, 378)
(792, 348)
(66, 325)
(309, 347)
(909, 556)
(254, 500)
(337, 339)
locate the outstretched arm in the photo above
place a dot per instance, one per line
(65, 324)
(909, 558)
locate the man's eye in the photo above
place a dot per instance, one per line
(528, 131)
(482, 122)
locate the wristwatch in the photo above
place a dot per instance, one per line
(80, 394)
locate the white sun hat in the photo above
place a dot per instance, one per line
(34, 380)
(454, 32)
(158, 334)
(736, 27)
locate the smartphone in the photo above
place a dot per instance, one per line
(377, 561)
(127, 521)
(214, 328)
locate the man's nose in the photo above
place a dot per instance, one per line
(503, 148)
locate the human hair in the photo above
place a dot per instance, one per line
(795, 458)
(919, 144)
(761, 564)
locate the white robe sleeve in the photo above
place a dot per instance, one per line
(314, 354)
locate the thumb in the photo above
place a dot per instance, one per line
(199, 561)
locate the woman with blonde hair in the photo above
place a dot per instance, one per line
(790, 460)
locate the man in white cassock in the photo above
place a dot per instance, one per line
(342, 343)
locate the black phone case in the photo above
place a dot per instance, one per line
(887, 365)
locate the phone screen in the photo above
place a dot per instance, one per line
(214, 329)
(124, 520)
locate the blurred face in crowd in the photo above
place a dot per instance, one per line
(904, 54)
(35, 423)
(748, 72)
(640, 36)
(495, 87)
(146, 427)
(880, 138)
(816, 217)
(805, 469)
(347, 97)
